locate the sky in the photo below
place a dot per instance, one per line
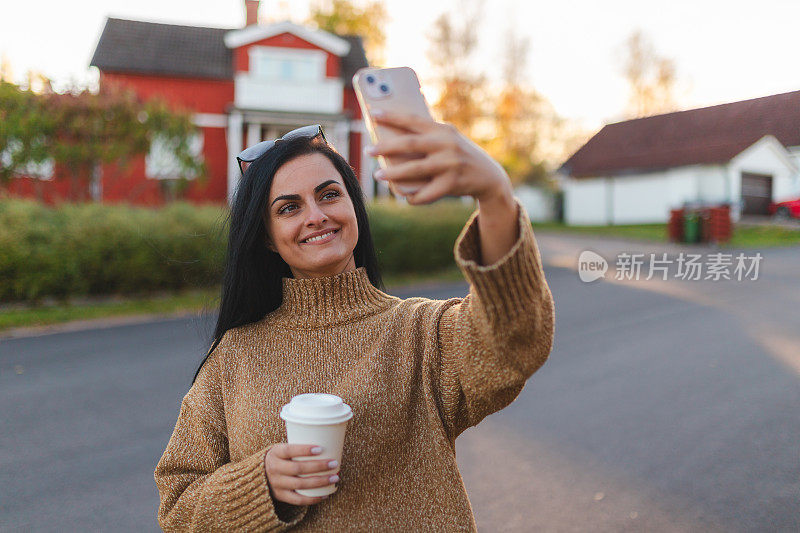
(724, 50)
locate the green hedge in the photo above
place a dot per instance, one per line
(105, 249)
(91, 249)
(416, 238)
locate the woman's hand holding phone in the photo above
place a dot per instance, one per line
(453, 164)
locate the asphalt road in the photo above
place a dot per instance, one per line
(665, 406)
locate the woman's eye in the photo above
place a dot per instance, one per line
(284, 209)
(328, 194)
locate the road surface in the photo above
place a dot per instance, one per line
(665, 406)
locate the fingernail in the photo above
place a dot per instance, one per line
(378, 112)
(371, 150)
(333, 464)
(316, 449)
(333, 479)
(380, 174)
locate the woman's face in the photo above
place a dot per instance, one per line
(307, 198)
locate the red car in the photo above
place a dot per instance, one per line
(788, 209)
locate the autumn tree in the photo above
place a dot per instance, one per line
(526, 135)
(344, 17)
(6, 73)
(519, 116)
(651, 77)
(453, 41)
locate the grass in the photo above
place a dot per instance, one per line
(744, 235)
(24, 315)
(646, 232)
(55, 313)
(754, 236)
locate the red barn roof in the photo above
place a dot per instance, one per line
(698, 136)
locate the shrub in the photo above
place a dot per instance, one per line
(88, 249)
(93, 249)
(416, 238)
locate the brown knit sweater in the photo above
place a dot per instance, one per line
(416, 372)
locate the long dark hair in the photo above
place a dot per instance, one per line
(251, 283)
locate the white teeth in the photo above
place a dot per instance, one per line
(320, 237)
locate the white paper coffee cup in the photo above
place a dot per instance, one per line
(319, 419)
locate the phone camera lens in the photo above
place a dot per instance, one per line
(370, 79)
(384, 88)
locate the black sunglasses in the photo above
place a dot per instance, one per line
(248, 155)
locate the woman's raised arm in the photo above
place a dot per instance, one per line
(493, 340)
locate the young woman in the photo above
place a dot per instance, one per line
(302, 310)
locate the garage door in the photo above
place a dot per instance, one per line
(756, 193)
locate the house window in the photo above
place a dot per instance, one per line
(43, 170)
(162, 162)
(282, 64)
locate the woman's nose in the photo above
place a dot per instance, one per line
(315, 215)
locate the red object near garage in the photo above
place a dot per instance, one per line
(715, 223)
(720, 228)
(675, 225)
(788, 209)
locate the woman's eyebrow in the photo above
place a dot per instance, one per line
(297, 196)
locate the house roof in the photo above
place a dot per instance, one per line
(698, 136)
(188, 51)
(164, 49)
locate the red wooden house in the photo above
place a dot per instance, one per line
(242, 86)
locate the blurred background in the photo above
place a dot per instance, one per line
(652, 135)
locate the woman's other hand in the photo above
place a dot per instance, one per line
(283, 473)
(453, 164)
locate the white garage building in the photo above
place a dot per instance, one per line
(744, 153)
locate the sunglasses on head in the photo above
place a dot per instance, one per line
(248, 155)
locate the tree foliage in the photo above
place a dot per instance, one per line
(518, 125)
(509, 119)
(651, 77)
(344, 17)
(25, 131)
(452, 44)
(520, 116)
(79, 131)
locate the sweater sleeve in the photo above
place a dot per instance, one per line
(494, 339)
(200, 489)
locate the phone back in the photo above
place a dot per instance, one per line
(392, 90)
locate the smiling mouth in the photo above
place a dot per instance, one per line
(322, 238)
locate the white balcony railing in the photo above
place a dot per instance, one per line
(324, 96)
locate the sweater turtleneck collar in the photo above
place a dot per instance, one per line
(316, 302)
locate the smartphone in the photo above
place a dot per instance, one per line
(390, 89)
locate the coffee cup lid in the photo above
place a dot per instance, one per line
(316, 408)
